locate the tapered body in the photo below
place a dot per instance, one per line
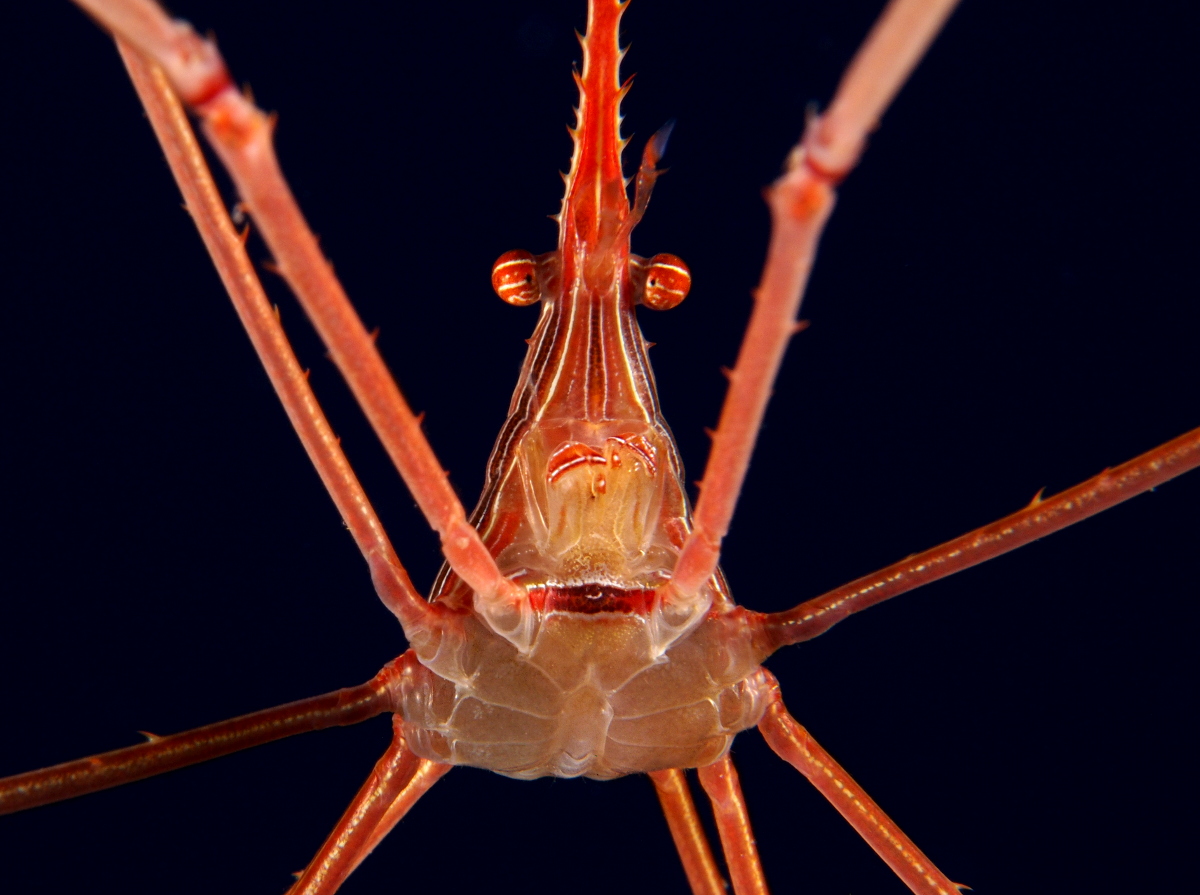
(584, 508)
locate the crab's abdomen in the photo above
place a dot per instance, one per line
(590, 699)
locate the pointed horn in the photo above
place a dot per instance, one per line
(595, 197)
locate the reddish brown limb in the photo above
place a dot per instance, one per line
(690, 841)
(796, 746)
(427, 773)
(266, 333)
(353, 836)
(162, 754)
(720, 781)
(1040, 518)
(800, 203)
(241, 135)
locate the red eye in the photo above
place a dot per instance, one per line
(515, 278)
(667, 282)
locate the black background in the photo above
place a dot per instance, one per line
(1005, 300)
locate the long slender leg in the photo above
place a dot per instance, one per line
(690, 841)
(353, 836)
(241, 135)
(720, 781)
(1040, 518)
(800, 203)
(427, 773)
(796, 746)
(75, 778)
(266, 333)
(897, 41)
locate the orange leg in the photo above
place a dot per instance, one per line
(241, 135)
(427, 773)
(800, 203)
(354, 835)
(690, 841)
(796, 746)
(720, 781)
(258, 317)
(162, 754)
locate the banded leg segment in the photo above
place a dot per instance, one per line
(800, 203)
(241, 135)
(795, 745)
(687, 832)
(266, 334)
(720, 781)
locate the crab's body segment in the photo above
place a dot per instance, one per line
(584, 507)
